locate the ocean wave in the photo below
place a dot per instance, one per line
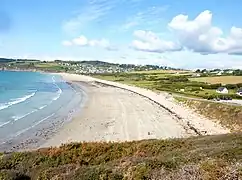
(16, 118)
(42, 107)
(16, 101)
(4, 123)
(59, 90)
(35, 124)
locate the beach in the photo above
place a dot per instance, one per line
(118, 112)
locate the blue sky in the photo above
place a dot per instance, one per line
(179, 33)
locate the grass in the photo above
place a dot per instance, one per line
(206, 92)
(227, 115)
(220, 79)
(208, 157)
(46, 65)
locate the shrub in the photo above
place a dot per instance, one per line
(178, 79)
(195, 89)
(231, 86)
(211, 86)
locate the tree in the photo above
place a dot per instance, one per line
(204, 71)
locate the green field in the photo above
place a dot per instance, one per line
(175, 83)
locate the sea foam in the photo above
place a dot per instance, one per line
(16, 101)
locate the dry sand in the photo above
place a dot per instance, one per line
(118, 112)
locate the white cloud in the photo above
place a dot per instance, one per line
(84, 41)
(150, 42)
(80, 41)
(91, 12)
(199, 35)
(66, 43)
(151, 17)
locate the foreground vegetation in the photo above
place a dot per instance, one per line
(209, 157)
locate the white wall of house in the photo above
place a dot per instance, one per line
(225, 91)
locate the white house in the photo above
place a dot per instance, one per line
(222, 90)
(220, 73)
(196, 75)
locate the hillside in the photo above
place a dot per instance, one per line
(228, 115)
(209, 157)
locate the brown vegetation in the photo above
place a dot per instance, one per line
(219, 79)
(209, 157)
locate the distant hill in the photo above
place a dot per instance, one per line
(7, 60)
(4, 60)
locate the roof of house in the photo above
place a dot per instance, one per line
(221, 88)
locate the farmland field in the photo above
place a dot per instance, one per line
(220, 79)
(162, 72)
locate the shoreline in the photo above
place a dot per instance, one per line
(117, 112)
(45, 127)
(154, 116)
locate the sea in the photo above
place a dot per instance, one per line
(34, 106)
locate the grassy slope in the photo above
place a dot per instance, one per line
(227, 115)
(209, 157)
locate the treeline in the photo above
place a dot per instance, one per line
(237, 72)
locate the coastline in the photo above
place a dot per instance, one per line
(44, 127)
(118, 112)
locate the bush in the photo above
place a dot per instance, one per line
(178, 79)
(231, 86)
(211, 86)
(195, 89)
(223, 96)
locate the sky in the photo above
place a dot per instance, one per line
(177, 33)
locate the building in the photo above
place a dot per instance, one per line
(222, 90)
(220, 73)
(196, 75)
(239, 92)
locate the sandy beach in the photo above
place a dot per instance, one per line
(117, 112)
